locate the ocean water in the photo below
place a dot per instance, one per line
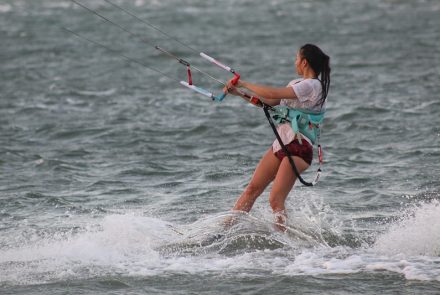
(116, 180)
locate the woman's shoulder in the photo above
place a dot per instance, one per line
(308, 92)
(314, 84)
(294, 81)
(311, 81)
(306, 87)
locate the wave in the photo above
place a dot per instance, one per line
(127, 243)
(236, 233)
(102, 93)
(133, 244)
(416, 233)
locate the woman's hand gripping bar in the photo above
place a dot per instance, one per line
(225, 67)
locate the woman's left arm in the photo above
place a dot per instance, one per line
(269, 95)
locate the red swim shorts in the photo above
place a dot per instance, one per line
(304, 151)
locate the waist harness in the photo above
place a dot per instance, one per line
(303, 122)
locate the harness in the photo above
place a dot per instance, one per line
(304, 123)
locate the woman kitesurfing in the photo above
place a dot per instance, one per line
(298, 109)
(306, 95)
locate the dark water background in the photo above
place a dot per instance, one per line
(116, 180)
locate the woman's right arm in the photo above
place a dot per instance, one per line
(269, 95)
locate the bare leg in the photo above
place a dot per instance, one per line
(283, 183)
(263, 175)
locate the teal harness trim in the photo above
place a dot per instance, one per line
(303, 122)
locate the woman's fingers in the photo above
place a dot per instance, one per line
(230, 88)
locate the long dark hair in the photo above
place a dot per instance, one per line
(320, 63)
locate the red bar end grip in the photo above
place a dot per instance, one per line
(236, 78)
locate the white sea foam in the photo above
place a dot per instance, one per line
(350, 261)
(417, 233)
(107, 92)
(116, 242)
(410, 247)
(134, 245)
(140, 246)
(314, 263)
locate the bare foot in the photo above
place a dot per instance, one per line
(280, 227)
(280, 221)
(229, 221)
